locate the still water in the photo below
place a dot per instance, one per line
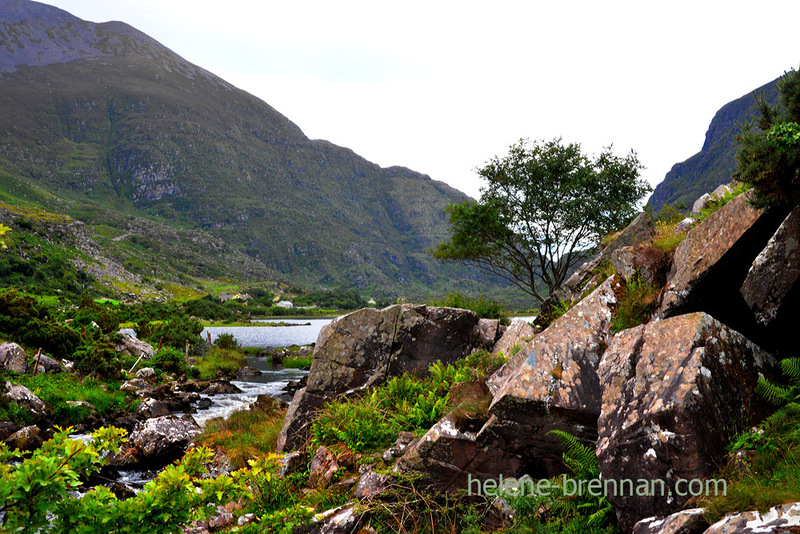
(305, 332)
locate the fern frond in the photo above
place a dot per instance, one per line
(771, 392)
(791, 369)
(579, 458)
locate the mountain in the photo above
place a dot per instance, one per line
(104, 124)
(716, 161)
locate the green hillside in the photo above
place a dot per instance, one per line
(104, 124)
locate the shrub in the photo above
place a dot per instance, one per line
(484, 308)
(226, 341)
(170, 360)
(637, 303)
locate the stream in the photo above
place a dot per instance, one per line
(272, 381)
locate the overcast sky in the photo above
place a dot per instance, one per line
(442, 86)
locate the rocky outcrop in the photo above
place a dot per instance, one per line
(641, 230)
(13, 358)
(451, 454)
(692, 521)
(673, 391)
(552, 383)
(783, 519)
(516, 336)
(368, 346)
(774, 273)
(163, 439)
(645, 262)
(711, 264)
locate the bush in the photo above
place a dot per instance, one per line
(176, 332)
(170, 360)
(226, 341)
(637, 303)
(484, 308)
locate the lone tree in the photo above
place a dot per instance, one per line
(769, 155)
(545, 207)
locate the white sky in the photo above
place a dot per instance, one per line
(442, 86)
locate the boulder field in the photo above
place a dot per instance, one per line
(659, 400)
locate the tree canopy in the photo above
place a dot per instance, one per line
(544, 207)
(769, 154)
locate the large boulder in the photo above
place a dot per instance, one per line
(135, 347)
(711, 263)
(774, 273)
(13, 358)
(644, 261)
(368, 346)
(673, 391)
(163, 439)
(552, 383)
(25, 439)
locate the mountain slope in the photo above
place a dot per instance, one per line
(111, 122)
(716, 161)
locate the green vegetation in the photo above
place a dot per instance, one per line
(562, 513)
(486, 308)
(220, 363)
(404, 403)
(58, 390)
(297, 362)
(544, 206)
(636, 305)
(37, 493)
(244, 435)
(764, 467)
(769, 154)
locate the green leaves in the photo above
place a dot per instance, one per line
(544, 205)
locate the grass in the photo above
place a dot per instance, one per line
(297, 362)
(56, 389)
(484, 308)
(221, 363)
(404, 403)
(244, 435)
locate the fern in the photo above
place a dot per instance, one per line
(791, 369)
(579, 458)
(773, 393)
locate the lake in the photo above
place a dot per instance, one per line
(267, 337)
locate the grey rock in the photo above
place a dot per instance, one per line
(13, 358)
(371, 484)
(25, 398)
(146, 372)
(25, 439)
(774, 272)
(135, 347)
(700, 204)
(783, 519)
(164, 438)
(134, 385)
(692, 521)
